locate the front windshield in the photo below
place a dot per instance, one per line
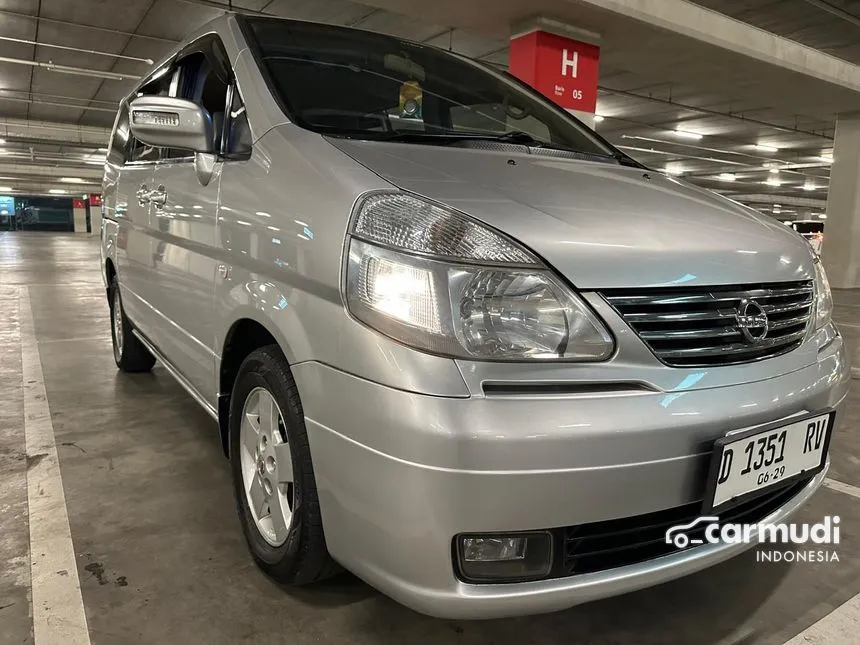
(355, 83)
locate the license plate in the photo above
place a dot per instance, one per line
(746, 463)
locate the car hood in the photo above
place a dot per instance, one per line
(601, 225)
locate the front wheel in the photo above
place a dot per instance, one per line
(273, 475)
(129, 353)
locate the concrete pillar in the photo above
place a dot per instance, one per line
(95, 201)
(560, 61)
(79, 215)
(841, 251)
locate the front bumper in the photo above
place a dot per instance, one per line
(399, 474)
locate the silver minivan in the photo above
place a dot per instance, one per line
(455, 342)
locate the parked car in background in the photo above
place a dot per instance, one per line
(812, 230)
(456, 342)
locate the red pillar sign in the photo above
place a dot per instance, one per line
(562, 69)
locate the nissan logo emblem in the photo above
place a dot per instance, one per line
(752, 320)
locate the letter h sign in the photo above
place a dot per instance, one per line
(562, 69)
(569, 63)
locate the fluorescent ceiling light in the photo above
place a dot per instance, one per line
(773, 181)
(765, 148)
(727, 176)
(822, 216)
(598, 118)
(826, 158)
(6, 189)
(2, 141)
(58, 191)
(72, 180)
(673, 169)
(773, 171)
(809, 186)
(686, 134)
(777, 206)
(787, 222)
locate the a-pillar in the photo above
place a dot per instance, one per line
(841, 250)
(560, 61)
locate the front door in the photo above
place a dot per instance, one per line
(183, 216)
(131, 211)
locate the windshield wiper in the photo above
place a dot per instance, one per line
(446, 138)
(516, 137)
(627, 160)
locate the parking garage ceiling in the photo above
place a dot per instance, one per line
(760, 134)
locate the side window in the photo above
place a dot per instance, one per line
(205, 78)
(201, 75)
(137, 150)
(204, 82)
(118, 152)
(142, 152)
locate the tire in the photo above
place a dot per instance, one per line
(289, 547)
(129, 353)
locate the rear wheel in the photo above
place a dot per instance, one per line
(273, 474)
(129, 353)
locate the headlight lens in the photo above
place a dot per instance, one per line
(410, 224)
(463, 301)
(823, 297)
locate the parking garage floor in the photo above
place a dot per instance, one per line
(160, 555)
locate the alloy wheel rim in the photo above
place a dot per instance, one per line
(117, 326)
(267, 466)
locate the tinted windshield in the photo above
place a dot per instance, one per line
(808, 227)
(355, 83)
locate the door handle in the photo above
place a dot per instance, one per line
(143, 195)
(158, 197)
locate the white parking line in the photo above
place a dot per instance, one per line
(839, 627)
(58, 609)
(848, 489)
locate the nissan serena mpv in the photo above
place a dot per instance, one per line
(455, 342)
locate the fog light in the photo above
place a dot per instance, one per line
(504, 558)
(493, 549)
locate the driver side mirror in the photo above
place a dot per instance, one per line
(167, 122)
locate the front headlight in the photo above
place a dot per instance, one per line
(438, 281)
(823, 297)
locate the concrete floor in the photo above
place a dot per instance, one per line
(160, 554)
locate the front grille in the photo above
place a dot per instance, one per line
(599, 546)
(698, 327)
